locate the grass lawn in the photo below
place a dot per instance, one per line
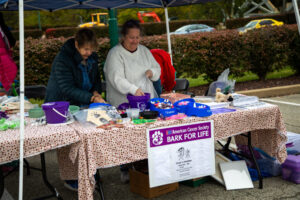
(286, 72)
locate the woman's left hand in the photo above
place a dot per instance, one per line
(96, 94)
(98, 99)
(149, 73)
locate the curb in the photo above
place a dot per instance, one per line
(273, 91)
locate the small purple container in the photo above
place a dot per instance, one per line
(123, 106)
(140, 102)
(56, 112)
(291, 168)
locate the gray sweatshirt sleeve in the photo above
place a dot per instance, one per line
(114, 70)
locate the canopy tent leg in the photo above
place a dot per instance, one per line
(113, 28)
(260, 178)
(296, 10)
(226, 151)
(168, 33)
(54, 192)
(21, 36)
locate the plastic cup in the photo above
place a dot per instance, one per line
(133, 113)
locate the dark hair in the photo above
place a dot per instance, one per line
(86, 36)
(128, 25)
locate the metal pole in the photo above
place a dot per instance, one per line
(39, 20)
(283, 10)
(168, 34)
(296, 10)
(232, 9)
(21, 36)
(113, 28)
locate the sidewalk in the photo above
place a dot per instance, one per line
(274, 188)
(273, 92)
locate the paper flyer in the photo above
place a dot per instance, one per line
(180, 153)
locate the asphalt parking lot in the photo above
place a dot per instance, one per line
(274, 188)
(290, 109)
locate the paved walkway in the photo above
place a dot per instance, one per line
(290, 109)
(274, 188)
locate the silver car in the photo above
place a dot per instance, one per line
(193, 28)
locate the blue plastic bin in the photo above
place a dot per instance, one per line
(183, 108)
(95, 105)
(162, 112)
(198, 109)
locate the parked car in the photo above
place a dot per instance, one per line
(260, 23)
(193, 28)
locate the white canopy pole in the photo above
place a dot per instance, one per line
(21, 40)
(168, 33)
(296, 10)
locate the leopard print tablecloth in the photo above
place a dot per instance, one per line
(105, 148)
(37, 139)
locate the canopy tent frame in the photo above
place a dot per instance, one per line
(296, 10)
(100, 4)
(86, 5)
(22, 94)
(22, 66)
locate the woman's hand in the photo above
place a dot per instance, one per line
(149, 73)
(139, 92)
(96, 94)
(98, 99)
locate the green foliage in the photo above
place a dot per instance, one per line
(71, 18)
(39, 55)
(70, 31)
(198, 11)
(285, 72)
(260, 52)
(248, 76)
(266, 50)
(35, 33)
(231, 8)
(208, 53)
(294, 48)
(219, 11)
(194, 82)
(147, 29)
(61, 18)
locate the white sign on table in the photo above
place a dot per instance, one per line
(182, 152)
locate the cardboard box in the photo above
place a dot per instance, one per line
(139, 184)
